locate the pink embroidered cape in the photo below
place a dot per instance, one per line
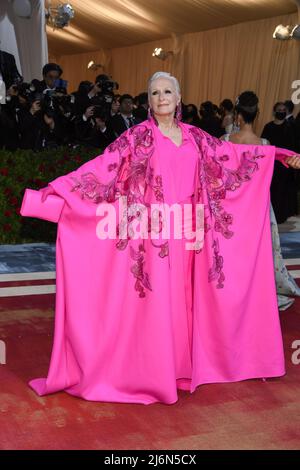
(135, 319)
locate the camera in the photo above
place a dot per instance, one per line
(102, 100)
(106, 95)
(107, 86)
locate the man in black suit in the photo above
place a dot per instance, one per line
(92, 128)
(8, 69)
(125, 119)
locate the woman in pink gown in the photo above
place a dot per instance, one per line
(138, 318)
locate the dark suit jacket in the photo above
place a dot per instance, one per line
(8, 68)
(290, 119)
(88, 135)
(141, 113)
(118, 124)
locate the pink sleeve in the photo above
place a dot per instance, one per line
(32, 206)
(282, 154)
(98, 179)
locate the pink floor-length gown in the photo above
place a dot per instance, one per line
(134, 321)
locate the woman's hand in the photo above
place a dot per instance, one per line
(46, 192)
(293, 162)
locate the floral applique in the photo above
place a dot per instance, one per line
(137, 269)
(89, 185)
(91, 188)
(158, 189)
(119, 145)
(134, 178)
(215, 180)
(216, 271)
(164, 249)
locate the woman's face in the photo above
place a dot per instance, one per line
(163, 98)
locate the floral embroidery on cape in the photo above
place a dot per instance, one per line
(134, 178)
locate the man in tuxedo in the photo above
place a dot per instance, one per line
(125, 119)
(8, 69)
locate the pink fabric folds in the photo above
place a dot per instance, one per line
(137, 319)
(32, 206)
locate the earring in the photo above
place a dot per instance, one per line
(178, 113)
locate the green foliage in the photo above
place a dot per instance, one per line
(23, 169)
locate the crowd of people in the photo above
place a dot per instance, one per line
(41, 115)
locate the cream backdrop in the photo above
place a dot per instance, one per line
(120, 23)
(212, 65)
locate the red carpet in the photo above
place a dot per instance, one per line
(244, 415)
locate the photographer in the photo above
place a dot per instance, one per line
(51, 73)
(92, 128)
(41, 124)
(100, 94)
(64, 106)
(29, 119)
(81, 101)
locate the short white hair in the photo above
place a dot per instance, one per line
(166, 75)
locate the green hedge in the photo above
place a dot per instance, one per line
(23, 169)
